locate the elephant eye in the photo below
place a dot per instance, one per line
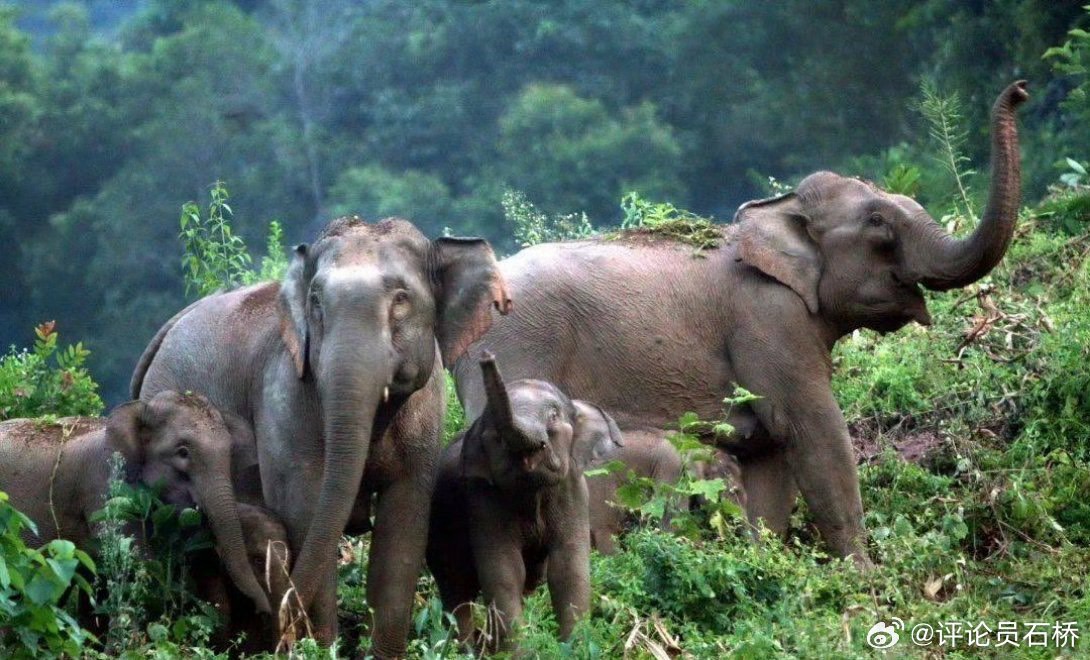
(400, 305)
(875, 220)
(553, 414)
(182, 452)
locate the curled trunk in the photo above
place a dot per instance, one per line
(943, 262)
(218, 499)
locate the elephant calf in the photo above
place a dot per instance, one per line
(58, 474)
(511, 500)
(647, 453)
(267, 550)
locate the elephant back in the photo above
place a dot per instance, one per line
(33, 432)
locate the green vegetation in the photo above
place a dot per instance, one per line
(47, 379)
(114, 114)
(664, 219)
(530, 226)
(146, 593)
(34, 587)
(214, 258)
(973, 434)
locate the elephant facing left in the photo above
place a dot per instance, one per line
(58, 474)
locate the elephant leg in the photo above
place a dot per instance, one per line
(290, 494)
(770, 491)
(503, 574)
(398, 545)
(569, 583)
(798, 408)
(601, 539)
(501, 568)
(825, 471)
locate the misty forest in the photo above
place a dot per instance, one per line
(178, 484)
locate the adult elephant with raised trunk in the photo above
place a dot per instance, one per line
(647, 331)
(338, 368)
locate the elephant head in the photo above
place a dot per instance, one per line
(182, 445)
(599, 437)
(531, 435)
(857, 256)
(363, 311)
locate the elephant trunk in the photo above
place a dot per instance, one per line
(351, 385)
(499, 404)
(943, 262)
(217, 498)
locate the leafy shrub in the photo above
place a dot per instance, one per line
(665, 219)
(34, 585)
(531, 226)
(148, 598)
(47, 380)
(215, 258)
(275, 262)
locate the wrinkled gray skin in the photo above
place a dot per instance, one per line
(338, 368)
(647, 453)
(266, 543)
(511, 500)
(178, 442)
(649, 332)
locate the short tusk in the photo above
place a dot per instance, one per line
(386, 394)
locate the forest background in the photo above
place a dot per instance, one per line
(114, 114)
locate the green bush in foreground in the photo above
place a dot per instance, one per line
(35, 586)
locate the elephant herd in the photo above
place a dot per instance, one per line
(294, 412)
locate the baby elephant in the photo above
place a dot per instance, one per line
(268, 552)
(511, 501)
(58, 474)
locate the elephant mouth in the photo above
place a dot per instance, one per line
(545, 457)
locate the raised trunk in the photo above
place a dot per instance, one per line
(943, 262)
(350, 391)
(499, 405)
(218, 500)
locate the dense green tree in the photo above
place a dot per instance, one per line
(374, 193)
(433, 109)
(552, 141)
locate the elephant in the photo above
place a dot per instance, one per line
(649, 331)
(510, 505)
(339, 368)
(647, 453)
(58, 474)
(267, 550)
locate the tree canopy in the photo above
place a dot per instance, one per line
(110, 121)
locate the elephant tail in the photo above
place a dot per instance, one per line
(137, 382)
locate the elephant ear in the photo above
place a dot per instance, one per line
(293, 308)
(469, 284)
(775, 239)
(475, 463)
(596, 434)
(127, 432)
